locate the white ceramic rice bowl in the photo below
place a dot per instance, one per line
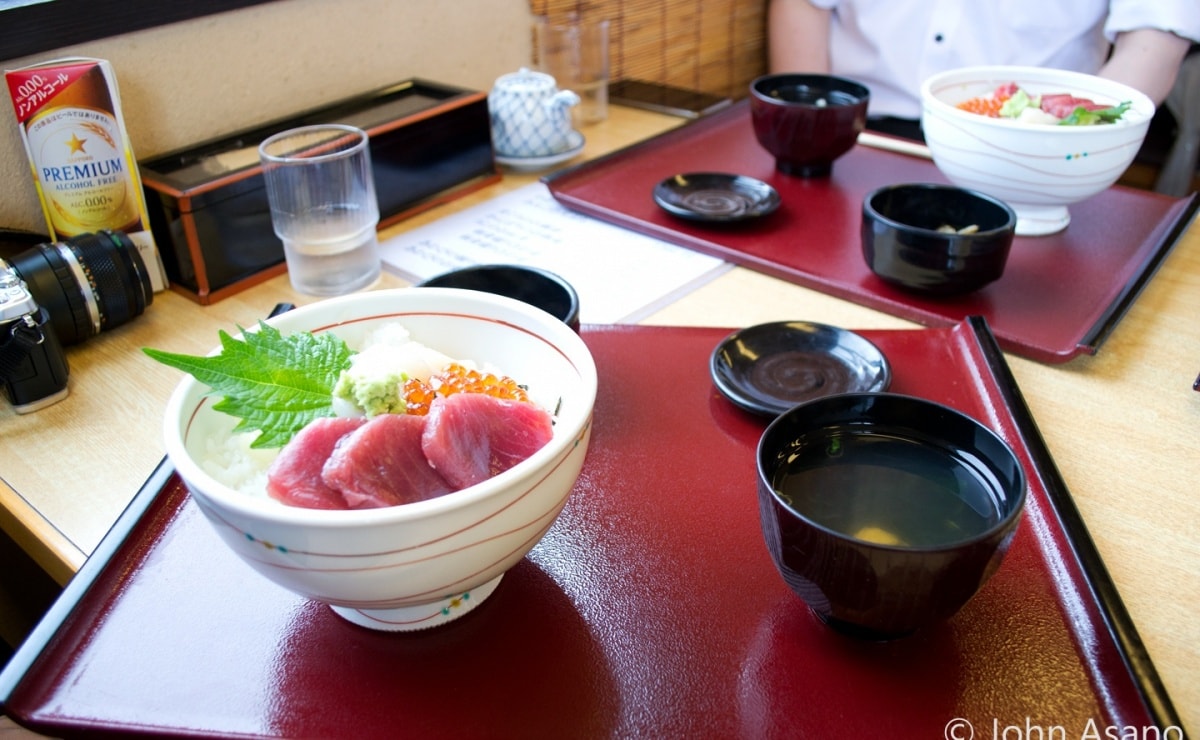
(417, 565)
(1037, 169)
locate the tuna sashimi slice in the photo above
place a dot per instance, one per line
(1007, 90)
(1061, 105)
(294, 477)
(470, 437)
(381, 464)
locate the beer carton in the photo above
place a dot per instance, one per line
(84, 169)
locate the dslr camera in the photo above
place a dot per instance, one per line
(56, 294)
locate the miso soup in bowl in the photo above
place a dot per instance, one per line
(885, 513)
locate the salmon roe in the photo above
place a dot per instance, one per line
(985, 106)
(418, 395)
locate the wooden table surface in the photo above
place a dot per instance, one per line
(1122, 425)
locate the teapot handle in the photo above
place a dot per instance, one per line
(561, 99)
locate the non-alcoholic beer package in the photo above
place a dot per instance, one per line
(84, 169)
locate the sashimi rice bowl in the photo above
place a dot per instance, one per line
(412, 445)
(1039, 139)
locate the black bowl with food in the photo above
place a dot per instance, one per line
(807, 121)
(886, 513)
(936, 239)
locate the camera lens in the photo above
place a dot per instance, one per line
(88, 283)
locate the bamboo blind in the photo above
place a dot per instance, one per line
(717, 46)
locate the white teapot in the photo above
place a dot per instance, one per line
(530, 116)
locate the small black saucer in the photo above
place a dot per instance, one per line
(769, 368)
(715, 196)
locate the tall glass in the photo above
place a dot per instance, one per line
(575, 53)
(323, 206)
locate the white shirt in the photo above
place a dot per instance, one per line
(891, 46)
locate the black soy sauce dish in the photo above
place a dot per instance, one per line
(716, 197)
(769, 368)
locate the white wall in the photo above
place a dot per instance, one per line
(192, 81)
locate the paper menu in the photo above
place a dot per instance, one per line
(621, 276)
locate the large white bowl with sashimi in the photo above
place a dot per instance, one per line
(410, 559)
(1033, 162)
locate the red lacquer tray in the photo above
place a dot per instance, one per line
(1060, 295)
(651, 609)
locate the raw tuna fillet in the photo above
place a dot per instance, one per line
(1061, 105)
(1007, 90)
(295, 476)
(469, 437)
(381, 464)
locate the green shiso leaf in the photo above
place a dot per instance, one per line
(273, 384)
(1083, 117)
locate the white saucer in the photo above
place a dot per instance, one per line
(533, 164)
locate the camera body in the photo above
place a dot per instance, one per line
(33, 366)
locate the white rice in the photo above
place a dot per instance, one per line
(230, 459)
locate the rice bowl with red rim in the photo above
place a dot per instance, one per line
(398, 568)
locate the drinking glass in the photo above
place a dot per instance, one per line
(575, 53)
(323, 206)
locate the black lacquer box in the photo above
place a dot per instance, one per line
(208, 208)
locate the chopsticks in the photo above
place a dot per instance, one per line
(894, 144)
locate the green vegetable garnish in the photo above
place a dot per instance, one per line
(1083, 117)
(1019, 101)
(274, 384)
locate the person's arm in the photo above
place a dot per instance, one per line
(797, 37)
(1146, 59)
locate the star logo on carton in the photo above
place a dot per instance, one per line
(76, 145)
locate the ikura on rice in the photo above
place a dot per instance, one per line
(400, 421)
(1009, 101)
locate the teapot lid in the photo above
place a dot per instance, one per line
(526, 79)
